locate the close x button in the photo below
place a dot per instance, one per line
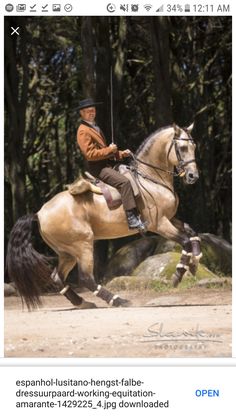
(15, 31)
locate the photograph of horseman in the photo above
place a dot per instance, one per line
(151, 93)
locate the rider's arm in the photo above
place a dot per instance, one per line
(91, 149)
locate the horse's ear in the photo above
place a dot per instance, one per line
(177, 130)
(189, 129)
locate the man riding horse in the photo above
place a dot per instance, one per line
(101, 159)
(69, 224)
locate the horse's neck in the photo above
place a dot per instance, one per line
(155, 153)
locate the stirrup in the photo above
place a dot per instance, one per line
(143, 227)
(134, 221)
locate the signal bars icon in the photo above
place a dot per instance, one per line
(160, 9)
(147, 7)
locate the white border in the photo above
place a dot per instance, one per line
(92, 8)
(118, 362)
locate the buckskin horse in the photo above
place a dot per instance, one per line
(70, 224)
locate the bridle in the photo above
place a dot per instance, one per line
(181, 163)
(180, 171)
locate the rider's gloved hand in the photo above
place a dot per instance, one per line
(126, 153)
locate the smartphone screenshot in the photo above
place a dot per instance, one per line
(117, 197)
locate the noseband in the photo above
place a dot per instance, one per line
(181, 163)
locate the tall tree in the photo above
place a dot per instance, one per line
(161, 63)
(162, 66)
(87, 44)
(16, 95)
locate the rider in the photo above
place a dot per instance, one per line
(102, 158)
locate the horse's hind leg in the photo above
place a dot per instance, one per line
(66, 264)
(193, 247)
(85, 259)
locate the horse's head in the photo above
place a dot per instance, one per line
(181, 154)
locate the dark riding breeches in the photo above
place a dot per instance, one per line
(120, 182)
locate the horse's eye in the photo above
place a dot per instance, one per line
(184, 148)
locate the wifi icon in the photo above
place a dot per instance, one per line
(147, 7)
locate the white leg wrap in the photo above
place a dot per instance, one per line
(97, 290)
(181, 265)
(64, 290)
(112, 300)
(186, 253)
(197, 258)
(196, 238)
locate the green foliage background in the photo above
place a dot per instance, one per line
(166, 69)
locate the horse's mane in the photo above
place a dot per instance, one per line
(146, 144)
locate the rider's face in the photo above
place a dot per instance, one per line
(88, 114)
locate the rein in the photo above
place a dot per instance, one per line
(152, 166)
(144, 176)
(180, 167)
(181, 162)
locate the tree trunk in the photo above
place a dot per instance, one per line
(160, 45)
(16, 93)
(87, 45)
(119, 68)
(103, 64)
(58, 162)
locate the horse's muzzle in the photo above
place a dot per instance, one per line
(191, 177)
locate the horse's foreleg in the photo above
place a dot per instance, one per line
(178, 234)
(194, 247)
(85, 258)
(66, 264)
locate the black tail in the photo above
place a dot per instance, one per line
(27, 268)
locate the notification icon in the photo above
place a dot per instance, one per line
(111, 7)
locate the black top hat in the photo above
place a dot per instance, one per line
(88, 103)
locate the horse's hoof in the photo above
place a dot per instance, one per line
(125, 303)
(175, 280)
(193, 269)
(121, 302)
(86, 305)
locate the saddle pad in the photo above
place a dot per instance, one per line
(82, 185)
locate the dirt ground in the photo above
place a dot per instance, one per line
(191, 323)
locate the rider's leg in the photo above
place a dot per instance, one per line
(123, 185)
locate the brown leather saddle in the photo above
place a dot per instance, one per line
(111, 194)
(94, 185)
